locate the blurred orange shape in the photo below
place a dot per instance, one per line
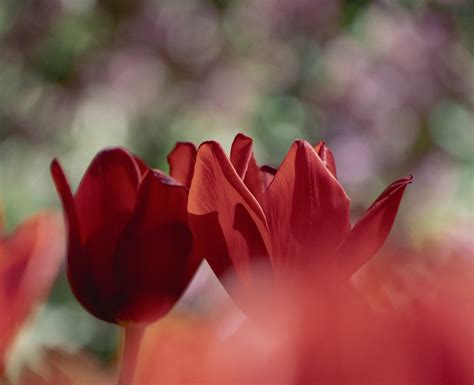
(29, 261)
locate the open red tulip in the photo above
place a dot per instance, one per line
(294, 219)
(29, 261)
(130, 249)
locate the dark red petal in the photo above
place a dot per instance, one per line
(268, 173)
(77, 268)
(371, 231)
(104, 203)
(69, 206)
(141, 166)
(156, 259)
(107, 193)
(181, 160)
(29, 261)
(327, 157)
(242, 158)
(307, 211)
(219, 200)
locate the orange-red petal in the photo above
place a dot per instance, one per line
(181, 160)
(29, 261)
(327, 157)
(307, 211)
(219, 200)
(243, 160)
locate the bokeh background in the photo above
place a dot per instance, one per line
(389, 85)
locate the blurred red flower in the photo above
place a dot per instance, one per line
(29, 261)
(406, 319)
(130, 249)
(294, 220)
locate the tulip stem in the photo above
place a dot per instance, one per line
(133, 340)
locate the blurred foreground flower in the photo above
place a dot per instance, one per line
(130, 250)
(29, 260)
(406, 319)
(422, 334)
(295, 219)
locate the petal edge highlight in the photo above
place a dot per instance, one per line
(217, 193)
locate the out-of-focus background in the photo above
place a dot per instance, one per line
(389, 85)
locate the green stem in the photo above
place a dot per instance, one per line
(133, 340)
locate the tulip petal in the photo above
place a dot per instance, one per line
(69, 207)
(79, 275)
(371, 231)
(29, 261)
(327, 157)
(243, 160)
(181, 160)
(156, 259)
(97, 216)
(106, 195)
(307, 211)
(219, 199)
(240, 154)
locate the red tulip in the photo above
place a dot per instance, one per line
(130, 249)
(29, 260)
(294, 219)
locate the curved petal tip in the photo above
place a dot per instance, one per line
(370, 232)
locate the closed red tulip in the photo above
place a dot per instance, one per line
(29, 261)
(294, 220)
(130, 249)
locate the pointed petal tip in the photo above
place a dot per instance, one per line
(370, 232)
(397, 185)
(59, 177)
(54, 165)
(299, 142)
(302, 144)
(320, 145)
(242, 136)
(242, 158)
(405, 180)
